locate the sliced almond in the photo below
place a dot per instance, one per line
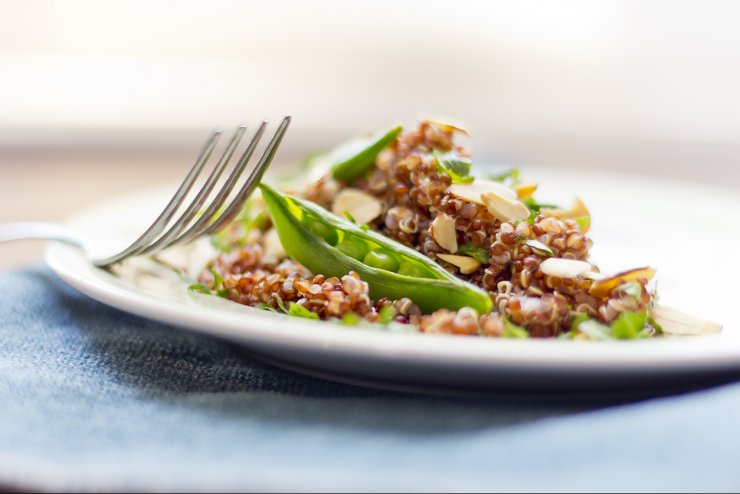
(505, 209)
(447, 124)
(594, 275)
(565, 268)
(525, 191)
(465, 264)
(273, 248)
(474, 190)
(604, 286)
(443, 232)
(577, 209)
(675, 322)
(359, 204)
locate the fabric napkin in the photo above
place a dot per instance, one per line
(94, 399)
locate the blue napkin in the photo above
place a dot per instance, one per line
(92, 398)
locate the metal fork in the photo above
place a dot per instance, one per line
(186, 227)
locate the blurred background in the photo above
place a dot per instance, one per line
(99, 98)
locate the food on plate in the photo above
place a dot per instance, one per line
(396, 231)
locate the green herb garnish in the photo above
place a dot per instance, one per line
(200, 288)
(300, 311)
(583, 221)
(266, 307)
(454, 165)
(478, 253)
(512, 330)
(577, 320)
(592, 329)
(509, 177)
(281, 304)
(629, 325)
(350, 319)
(218, 284)
(658, 328)
(386, 314)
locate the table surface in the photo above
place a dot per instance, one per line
(74, 366)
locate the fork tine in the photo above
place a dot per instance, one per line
(169, 210)
(252, 181)
(192, 209)
(201, 224)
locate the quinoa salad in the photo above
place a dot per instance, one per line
(399, 231)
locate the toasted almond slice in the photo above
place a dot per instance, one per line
(525, 191)
(604, 286)
(359, 204)
(443, 232)
(465, 264)
(565, 268)
(447, 124)
(474, 190)
(273, 248)
(577, 210)
(594, 275)
(503, 208)
(676, 322)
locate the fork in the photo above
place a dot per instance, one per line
(188, 225)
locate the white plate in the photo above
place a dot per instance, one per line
(681, 229)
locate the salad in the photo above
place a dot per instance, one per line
(396, 230)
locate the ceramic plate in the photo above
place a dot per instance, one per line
(682, 229)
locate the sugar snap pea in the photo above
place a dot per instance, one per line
(331, 246)
(359, 155)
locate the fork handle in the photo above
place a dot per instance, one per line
(38, 230)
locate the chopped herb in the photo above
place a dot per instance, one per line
(509, 177)
(478, 253)
(577, 320)
(532, 215)
(592, 329)
(387, 314)
(266, 307)
(300, 311)
(658, 328)
(350, 217)
(218, 284)
(512, 330)
(281, 304)
(628, 325)
(633, 289)
(200, 288)
(533, 205)
(454, 165)
(539, 246)
(583, 221)
(350, 319)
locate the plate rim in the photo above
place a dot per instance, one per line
(673, 355)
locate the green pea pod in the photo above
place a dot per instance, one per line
(359, 155)
(331, 246)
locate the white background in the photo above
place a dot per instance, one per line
(648, 86)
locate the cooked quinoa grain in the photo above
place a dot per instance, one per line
(407, 181)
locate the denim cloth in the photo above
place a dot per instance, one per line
(92, 398)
